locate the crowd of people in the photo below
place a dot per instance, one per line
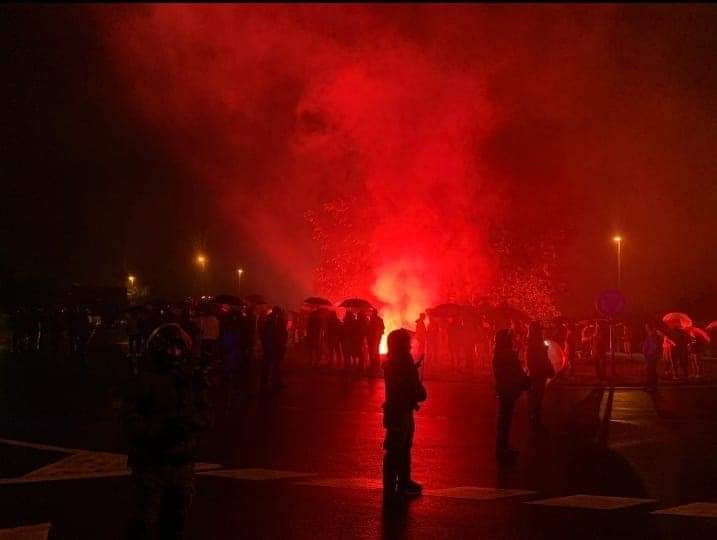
(53, 329)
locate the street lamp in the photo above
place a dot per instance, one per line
(131, 280)
(618, 240)
(239, 274)
(202, 262)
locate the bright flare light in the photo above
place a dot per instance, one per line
(617, 239)
(401, 287)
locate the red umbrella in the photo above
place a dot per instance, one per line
(698, 333)
(711, 326)
(679, 321)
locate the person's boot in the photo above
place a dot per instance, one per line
(390, 485)
(406, 484)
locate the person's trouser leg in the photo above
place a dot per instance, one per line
(147, 489)
(505, 417)
(535, 401)
(276, 371)
(390, 475)
(265, 369)
(178, 496)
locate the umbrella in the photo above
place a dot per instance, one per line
(446, 310)
(208, 308)
(317, 301)
(698, 333)
(228, 299)
(556, 355)
(356, 303)
(509, 313)
(255, 299)
(711, 326)
(678, 321)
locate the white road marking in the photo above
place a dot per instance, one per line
(351, 483)
(256, 474)
(28, 532)
(37, 446)
(696, 509)
(78, 465)
(593, 502)
(477, 493)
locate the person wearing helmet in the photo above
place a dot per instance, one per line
(162, 413)
(404, 391)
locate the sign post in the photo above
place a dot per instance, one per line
(611, 303)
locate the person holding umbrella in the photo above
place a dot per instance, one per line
(510, 382)
(651, 350)
(540, 370)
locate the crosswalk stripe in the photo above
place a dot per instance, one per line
(256, 474)
(477, 493)
(593, 502)
(695, 509)
(352, 483)
(85, 465)
(27, 532)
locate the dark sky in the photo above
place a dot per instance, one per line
(132, 136)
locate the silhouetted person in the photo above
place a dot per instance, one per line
(273, 342)
(680, 352)
(231, 338)
(313, 337)
(571, 344)
(361, 336)
(375, 332)
(164, 410)
(510, 381)
(209, 334)
(421, 335)
(404, 392)
(348, 340)
(696, 350)
(134, 335)
(540, 370)
(600, 346)
(652, 349)
(333, 338)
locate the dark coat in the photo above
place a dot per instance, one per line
(404, 390)
(162, 413)
(510, 379)
(539, 366)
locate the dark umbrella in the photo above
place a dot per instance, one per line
(228, 299)
(508, 312)
(208, 308)
(317, 301)
(356, 303)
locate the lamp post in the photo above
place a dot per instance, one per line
(239, 274)
(131, 279)
(202, 262)
(618, 240)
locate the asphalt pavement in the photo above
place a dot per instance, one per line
(614, 462)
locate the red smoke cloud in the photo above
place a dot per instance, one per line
(284, 110)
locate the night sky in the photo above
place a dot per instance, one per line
(134, 136)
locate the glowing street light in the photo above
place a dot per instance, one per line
(201, 261)
(131, 280)
(618, 240)
(239, 274)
